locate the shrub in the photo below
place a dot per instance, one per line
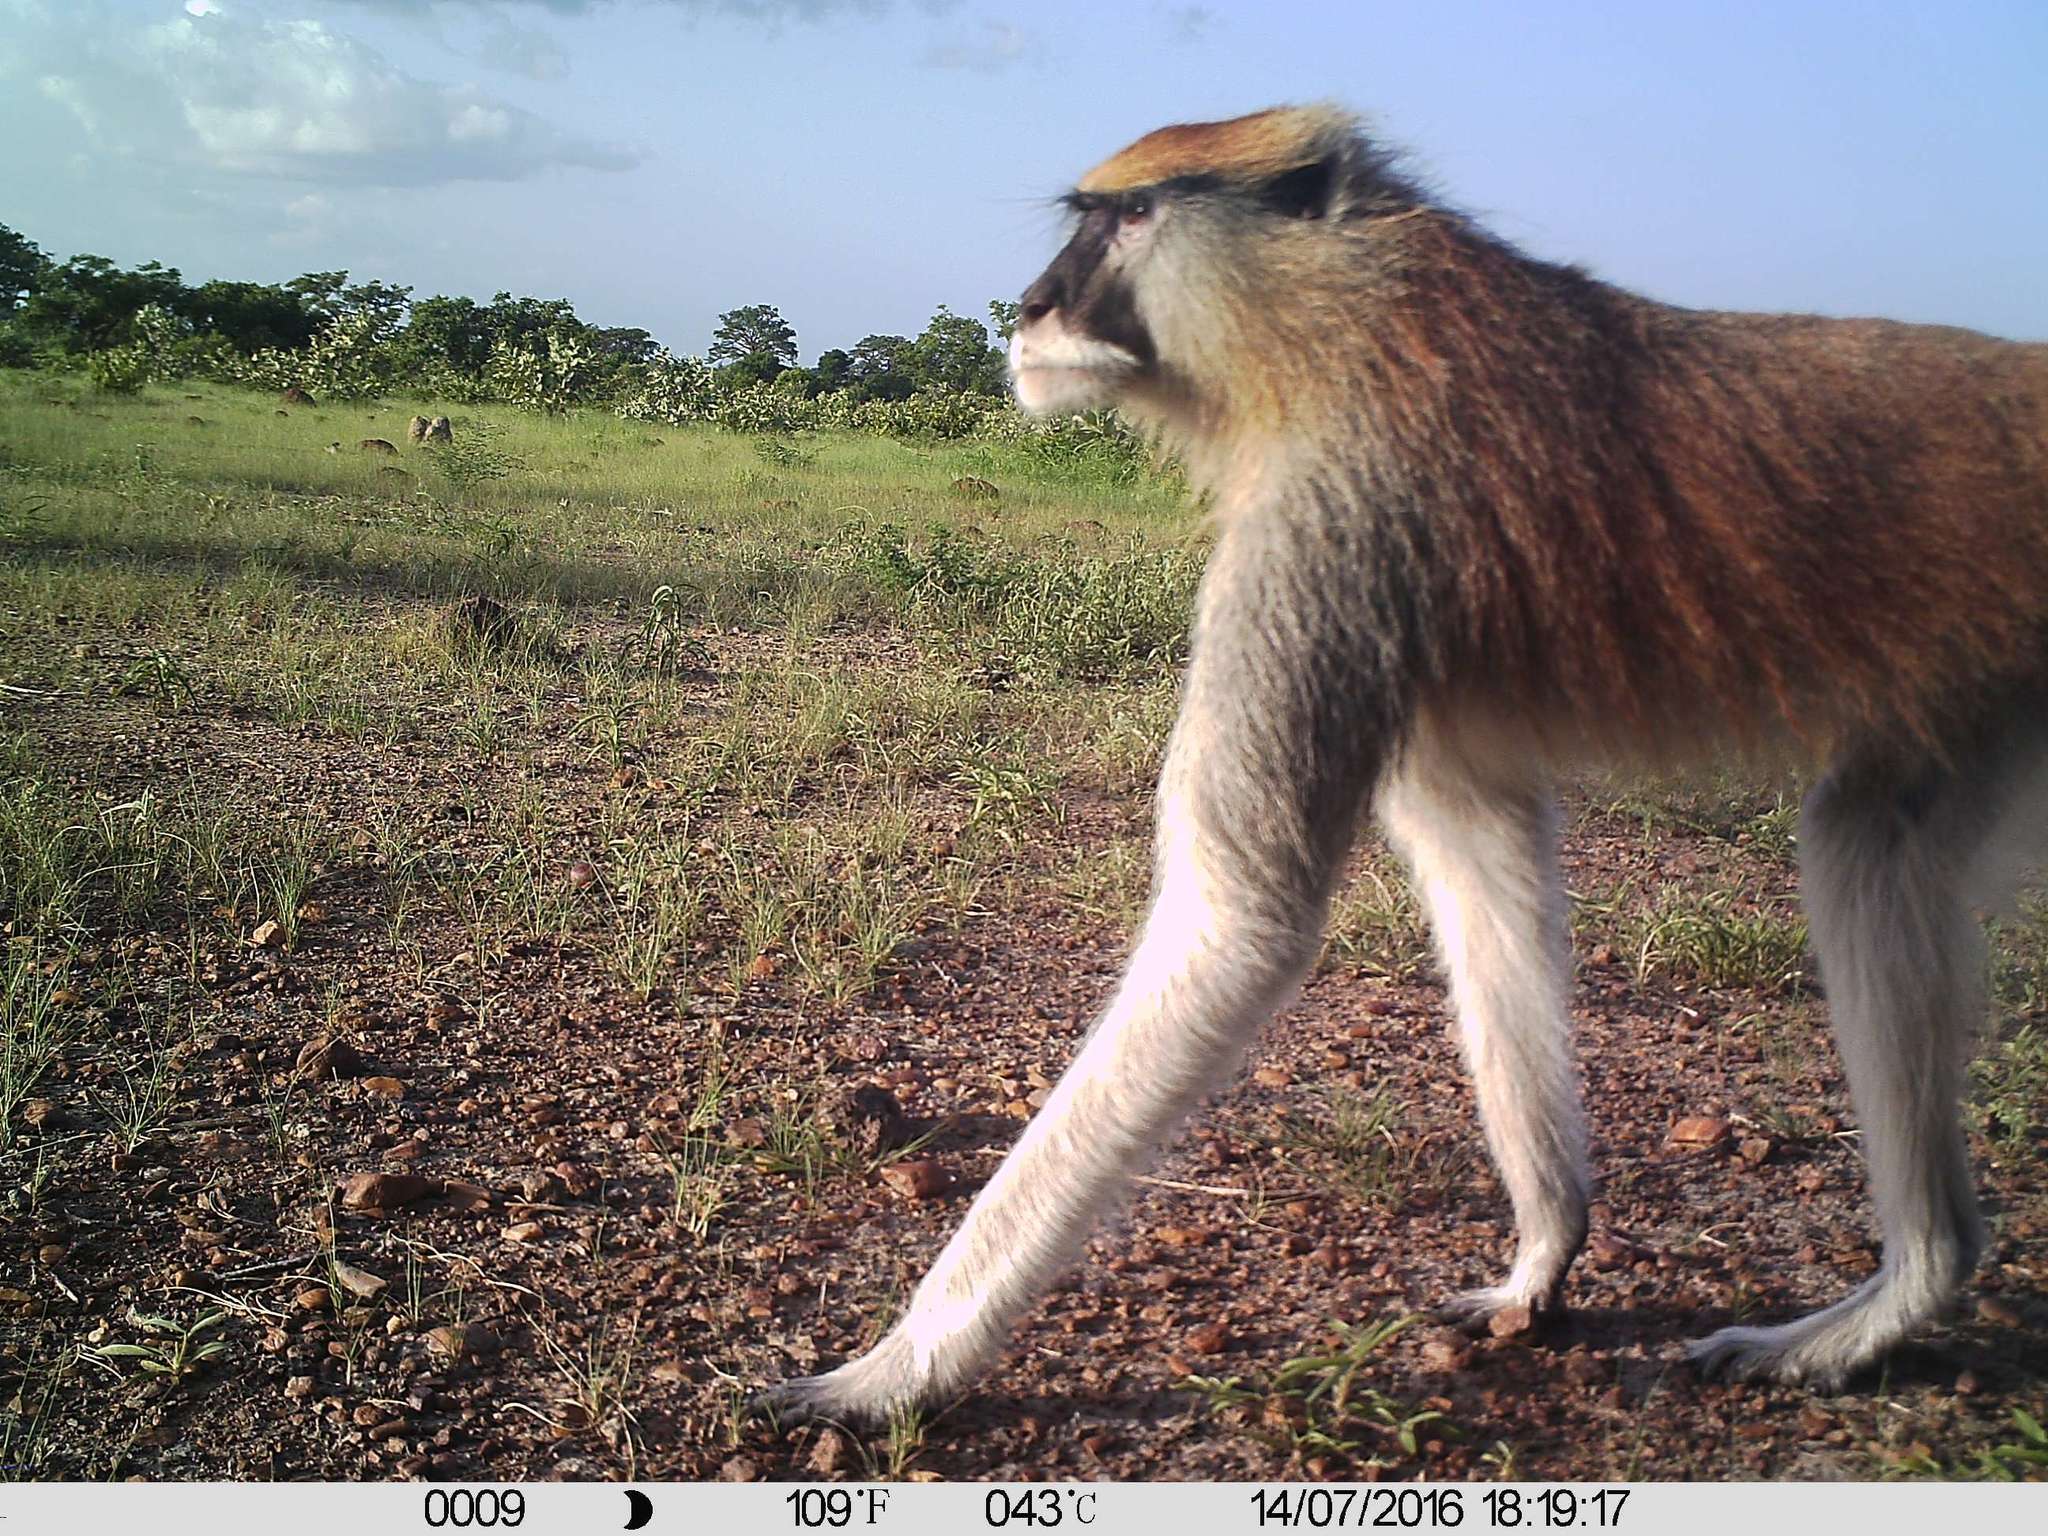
(549, 371)
(119, 370)
(670, 389)
(342, 362)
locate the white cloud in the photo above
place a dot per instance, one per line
(1187, 24)
(523, 51)
(764, 10)
(288, 99)
(997, 46)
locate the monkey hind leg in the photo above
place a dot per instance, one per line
(1890, 864)
(1481, 842)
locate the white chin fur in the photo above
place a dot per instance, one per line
(1058, 372)
(1061, 391)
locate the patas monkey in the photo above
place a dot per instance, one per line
(1480, 517)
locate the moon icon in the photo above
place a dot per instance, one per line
(643, 1509)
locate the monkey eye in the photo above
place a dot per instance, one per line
(1137, 209)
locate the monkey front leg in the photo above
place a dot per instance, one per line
(1271, 759)
(1200, 982)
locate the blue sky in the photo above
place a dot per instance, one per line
(857, 162)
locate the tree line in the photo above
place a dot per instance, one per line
(148, 321)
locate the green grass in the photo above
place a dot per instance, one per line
(1322, 1405)
(1712, 938)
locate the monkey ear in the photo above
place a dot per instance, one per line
(1304, 192)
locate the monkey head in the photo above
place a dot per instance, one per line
(1180, 239)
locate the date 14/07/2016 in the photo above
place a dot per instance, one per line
(1503, 1509)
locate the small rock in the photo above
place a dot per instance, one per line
(582, 875)
(1967, 1384)
(460, 1341)
(739, 1469)
(1210, 1339)
(976, 488)
(1509, 1322)
(1446, 1351)
(869, 1121)
(1755, 1150)
(524, 1232)
(359, 1282)
(749, 1134)
(314, 1298)
(828, 1453)
(382, 1191)
(919, 1180)
(384, 1087)
(367, 1414)
(1998, 1312)
(42, 1114)
(299, 1387)
(377, 445)
(1273, 1077)
(268, 935)
(1584, 1371)
(328, 1057)
(1699, 1131)
(577, 1181)
(1606, 1251)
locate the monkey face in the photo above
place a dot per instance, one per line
(1079, 341)
(1144, 307)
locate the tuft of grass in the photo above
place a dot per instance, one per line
(34, 1025)
(1318, 1405)
(27, 1452)
(1364, 1148)
(2010, 1082)
(140, 1109)
(2023, 1458)
(1376, 925)
(159, 676)
(1763, 819)
(1711, 939)
(169, 1349)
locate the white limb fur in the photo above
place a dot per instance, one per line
(1481, 841)
(1201, 981)
(1890, 875)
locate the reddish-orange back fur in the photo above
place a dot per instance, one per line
(1840, 523)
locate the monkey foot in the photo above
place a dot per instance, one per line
(870, 1390)
(1772, 1354)
(1824, 1349)
(1476, 1311)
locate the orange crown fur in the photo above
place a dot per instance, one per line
(1254, 148)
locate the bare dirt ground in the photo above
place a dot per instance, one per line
(516, 1294)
